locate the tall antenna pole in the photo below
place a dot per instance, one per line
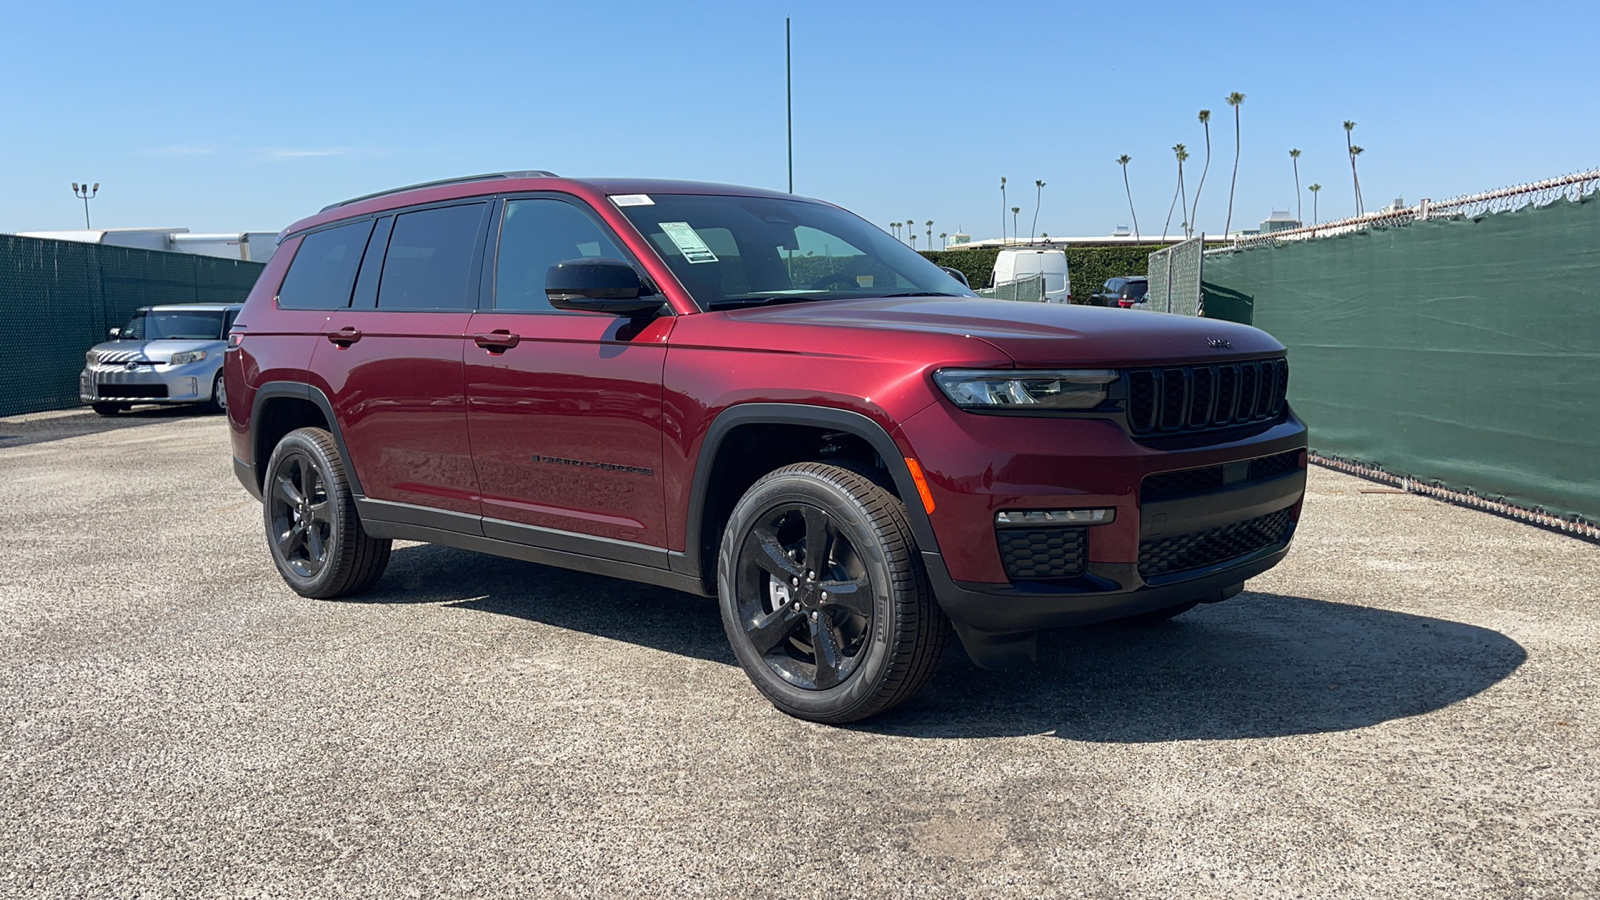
(788, 92)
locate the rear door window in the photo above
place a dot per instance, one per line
(429, 261)
(324, 268)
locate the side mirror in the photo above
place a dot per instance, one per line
(599, 285)
(115, 334)
(958, 275)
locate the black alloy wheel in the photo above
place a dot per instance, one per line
(300, 514)
(823, 594)
(313, 532)
(805, 597)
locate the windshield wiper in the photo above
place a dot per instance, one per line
(918, 294)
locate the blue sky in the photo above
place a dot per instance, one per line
(247, 116)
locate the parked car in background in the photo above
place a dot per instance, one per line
(1017, 264)
(757, 397)
(1125, 292)
(165, 354)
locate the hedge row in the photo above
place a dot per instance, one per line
(1089, 266)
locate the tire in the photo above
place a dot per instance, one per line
(219, 395)
(868, 607)
(1157, 616)
(106, 409)
(313, 533)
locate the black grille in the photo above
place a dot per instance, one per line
(131, 391)
(1200, 398)
(1043, 554)
(1194, 482)
(1180, 553)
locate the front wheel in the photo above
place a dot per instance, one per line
(219, 395)
(313, 532)
(823, 595)
(106, 409)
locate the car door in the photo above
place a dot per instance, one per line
(392, 363)
(564, 408)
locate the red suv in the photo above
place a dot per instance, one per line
(757, 397)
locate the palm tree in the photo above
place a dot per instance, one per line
(1350, 126)
(1298, 215)
(894, 228)
(1124, 159)
(913, 237)
(1014, 211)
(1038, 198)
(944, 242)
(1235, 99)
(930, 234)
(1182, 153)
(1194, 211)
(1314, 189)
(1002, 209)
(1361, 202)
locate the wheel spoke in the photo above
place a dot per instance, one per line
(825, 647)
(308, 480)
(288, 491)
(314, 545)
(820, 535)
(772, 558)
(770, 629)
(289, 540)
(320, 513)
(855, 595)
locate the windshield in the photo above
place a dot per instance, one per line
(190, 326)
(750, 251)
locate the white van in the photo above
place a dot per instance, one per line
(1017, 263)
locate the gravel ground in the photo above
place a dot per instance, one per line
(1406, 708)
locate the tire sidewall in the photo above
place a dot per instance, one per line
(853, 520)
(299, 443)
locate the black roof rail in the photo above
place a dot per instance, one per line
(467, 179)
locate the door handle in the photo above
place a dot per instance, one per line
(497, 341)
(345, 336)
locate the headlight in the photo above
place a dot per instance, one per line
(91, 358)
(1067, 389)
(179, 359)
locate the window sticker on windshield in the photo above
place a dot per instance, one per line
(864, 280)
(694, 249)
(632, 200)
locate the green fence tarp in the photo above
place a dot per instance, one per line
(1463, 352)
(58, 298)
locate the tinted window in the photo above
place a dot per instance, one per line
(429, 261)
(1136, 289)
(324, 268)
(535, 235)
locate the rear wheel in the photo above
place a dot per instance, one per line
(313, 532)
(107, 409)
(823, 595)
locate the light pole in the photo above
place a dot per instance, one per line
(85, 193)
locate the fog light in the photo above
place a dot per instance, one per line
(1056, 517)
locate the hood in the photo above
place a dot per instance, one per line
(158, 351)
(1041, 334)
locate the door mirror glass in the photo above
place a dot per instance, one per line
(598, 285)
(958, 275)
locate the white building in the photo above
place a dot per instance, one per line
(251, 246)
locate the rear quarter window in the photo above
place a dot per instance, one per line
(324, 268)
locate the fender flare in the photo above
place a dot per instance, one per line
(299, 391)
(828, 417)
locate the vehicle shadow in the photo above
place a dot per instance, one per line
(22, 431)
(1259, 665)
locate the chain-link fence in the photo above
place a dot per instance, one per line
(1028, 290)
(1174, 275)
(59, 298)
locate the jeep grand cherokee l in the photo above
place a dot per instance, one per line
(757, 397)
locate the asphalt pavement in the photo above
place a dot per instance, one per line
(1406, 707)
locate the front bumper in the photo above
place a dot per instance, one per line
(1155, 552)
(188, 383)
